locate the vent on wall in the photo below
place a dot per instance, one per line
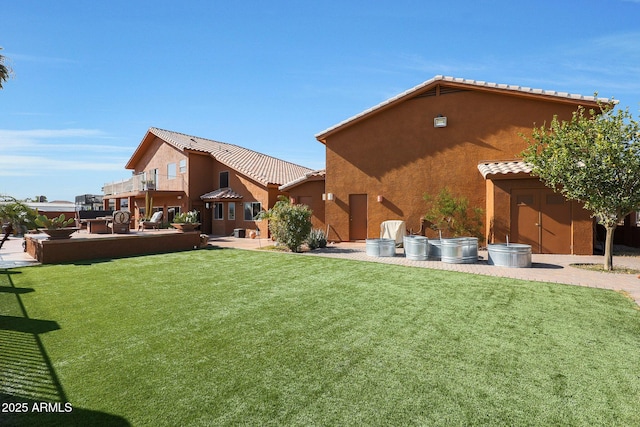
(444, 90)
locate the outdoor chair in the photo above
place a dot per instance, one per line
(154, 222)
(120, 223)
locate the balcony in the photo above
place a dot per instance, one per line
(142, 182)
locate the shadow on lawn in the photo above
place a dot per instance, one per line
(30, 390)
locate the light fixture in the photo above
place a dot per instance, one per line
(330, 196)
(379, 198)
(207, 205)
(440, 121)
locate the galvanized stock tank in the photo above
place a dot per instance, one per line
(416, 247)
(381, 247)
(459, 250)
(515, 255)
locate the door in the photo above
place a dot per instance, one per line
(357, 216)
(542, 219)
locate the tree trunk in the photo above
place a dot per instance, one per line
(608, 248)
(8, 229)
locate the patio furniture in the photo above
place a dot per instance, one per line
(97, 225)
(120, 223)
(83, 217)
(154, 222)
(393, 229)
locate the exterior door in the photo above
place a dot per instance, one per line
(542, 219)
(357, 216)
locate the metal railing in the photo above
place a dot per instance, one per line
(144, 182)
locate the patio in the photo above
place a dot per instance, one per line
(85, 246)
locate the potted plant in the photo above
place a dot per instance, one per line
(56, 228)
(186, 221)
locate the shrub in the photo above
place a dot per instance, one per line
(452, 215)
(190, 217)
(289, 224)
(317, 239)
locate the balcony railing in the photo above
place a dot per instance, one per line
(142, 182)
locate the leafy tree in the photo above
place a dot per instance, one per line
(452, 215)
(5, 72)
(289, 224)
(593, 158)
(15, 216)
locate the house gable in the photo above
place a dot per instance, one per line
(443, 85)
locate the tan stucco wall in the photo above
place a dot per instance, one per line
(311, 190)
(398, 154)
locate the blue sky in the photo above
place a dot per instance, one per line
(92, 77)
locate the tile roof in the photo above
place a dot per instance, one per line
(221, 194)
(477, 84)
(260, 167)
(503, 167)
(317, 175)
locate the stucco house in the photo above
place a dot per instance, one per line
(227, 184)
(308, 190)
(455, 133)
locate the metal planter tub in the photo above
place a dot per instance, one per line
(460, 250)
(434, 251)
(416, 248)
(381, 247)
(515, 255)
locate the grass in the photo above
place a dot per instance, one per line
(230, 337)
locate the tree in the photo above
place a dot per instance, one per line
(15, 216)
(289, 224)
(5, 72)
(452, 215)
(593, 158)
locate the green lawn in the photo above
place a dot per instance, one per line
(230, 337)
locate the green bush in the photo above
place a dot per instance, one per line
(289, 224)
(453, 216)
(317, 239)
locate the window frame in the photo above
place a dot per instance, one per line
(251, 207)
(226, 173)
(219, 216)
(231, 211)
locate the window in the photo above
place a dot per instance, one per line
(232, 211)
(183, 166)
(224, 179)
(217, 211)
(251, 209)
(152, 183)
(555, 199)
(171, 171)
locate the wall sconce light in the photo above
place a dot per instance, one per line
(379, 199)
(440, 121)
(292, 200)
(207, 205)
(330, 197)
